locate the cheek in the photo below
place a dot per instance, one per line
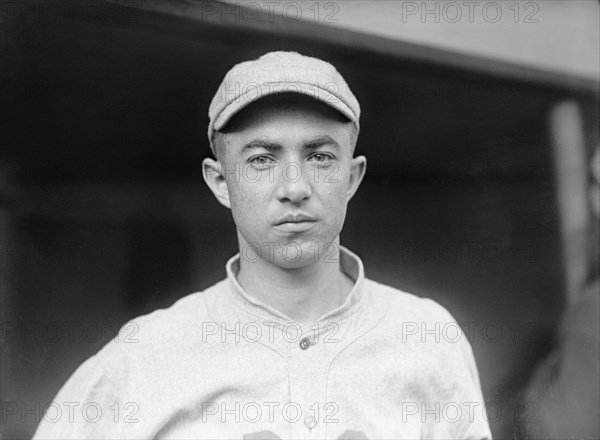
(335, 187)
(248, 201)
(333, 197)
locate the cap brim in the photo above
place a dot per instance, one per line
(261, 91)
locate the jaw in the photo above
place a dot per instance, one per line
(290, 251)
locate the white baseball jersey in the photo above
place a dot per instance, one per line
(220, 364)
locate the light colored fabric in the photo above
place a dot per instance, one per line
(220, 364)
(280, 72)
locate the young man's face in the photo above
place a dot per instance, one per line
(287, 173)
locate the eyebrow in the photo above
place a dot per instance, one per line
(261, 144)
(274, 146)
(320, 141)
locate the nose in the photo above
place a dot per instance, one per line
(293, 184)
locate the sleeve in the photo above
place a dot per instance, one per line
(86, 407)
(461, 403)
(474, 424)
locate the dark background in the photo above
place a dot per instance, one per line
(105, 215)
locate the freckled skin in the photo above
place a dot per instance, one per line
(262, 185)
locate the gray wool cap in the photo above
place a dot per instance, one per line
(280, 72)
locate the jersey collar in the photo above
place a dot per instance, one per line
(350, 264)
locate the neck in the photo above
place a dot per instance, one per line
(303, 294)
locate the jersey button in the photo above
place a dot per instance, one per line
(304, 343)
(310, 422)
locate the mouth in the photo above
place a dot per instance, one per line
(295, 222)
(295, 218)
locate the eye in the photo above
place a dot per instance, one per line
(321, 157)
(261, 161)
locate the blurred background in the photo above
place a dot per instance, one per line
(479, 122)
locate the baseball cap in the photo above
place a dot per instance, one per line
(280, 72)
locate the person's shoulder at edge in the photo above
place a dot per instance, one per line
(144, 346)
(448, 364)
(411, 318)
(165, 328)
(401, 304)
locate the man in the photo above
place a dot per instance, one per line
(295, 342)
(564, 392)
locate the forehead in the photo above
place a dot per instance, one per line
(289, 115)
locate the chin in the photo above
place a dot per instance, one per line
(287, 263)
(302, 253)
(292, 251)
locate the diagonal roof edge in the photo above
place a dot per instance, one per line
(230, 15)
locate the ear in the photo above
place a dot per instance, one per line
(212, 171)
(357, 172)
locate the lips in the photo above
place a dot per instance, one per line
(295, 218)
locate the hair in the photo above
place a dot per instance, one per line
(218, 146)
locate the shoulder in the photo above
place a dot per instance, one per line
(191, 308)
(162, 331)
(401, 304)
(419, 322)
(423, 326)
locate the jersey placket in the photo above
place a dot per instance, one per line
(307, 377)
